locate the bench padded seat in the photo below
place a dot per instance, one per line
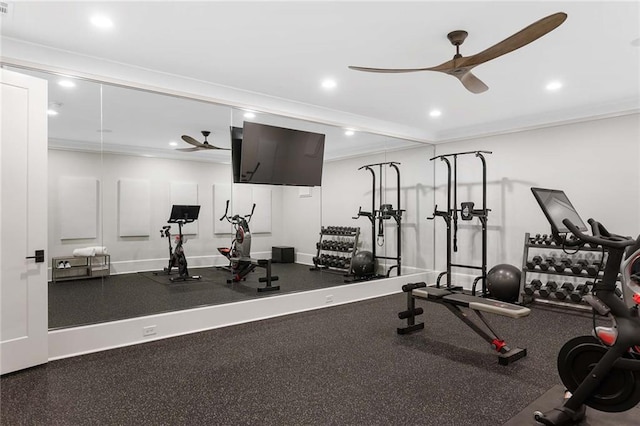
(430, 293)
(472, 302)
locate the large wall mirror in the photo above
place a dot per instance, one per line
(118, 163)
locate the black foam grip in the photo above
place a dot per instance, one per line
(408, 287)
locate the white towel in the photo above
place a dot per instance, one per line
(90, 251)
(100, 250)
(87, 251)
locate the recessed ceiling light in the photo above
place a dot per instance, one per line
(435, 113)
(329, 84)
(554, 85)
(66, 83)
(249, 114)
(101, 21)
(52, 112)
(349, 132)
(172, 143)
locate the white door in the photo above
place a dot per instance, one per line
(23, 221)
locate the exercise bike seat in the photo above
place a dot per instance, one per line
(225, 251)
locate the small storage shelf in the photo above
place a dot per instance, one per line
(80, 267)
(336, 248)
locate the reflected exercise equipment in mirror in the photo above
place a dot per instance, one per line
(117, 165)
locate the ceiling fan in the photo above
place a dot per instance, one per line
(198, 146)
(460, 66)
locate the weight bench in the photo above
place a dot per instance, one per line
(454, 301)
(262, 263)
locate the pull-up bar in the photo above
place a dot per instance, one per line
(450, 216)
(460, 153)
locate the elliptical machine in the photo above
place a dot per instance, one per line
(239, 254)
(601, 371)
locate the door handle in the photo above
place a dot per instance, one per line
(39, 256)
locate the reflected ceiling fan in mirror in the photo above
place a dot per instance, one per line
(199, 146)
(460, 66)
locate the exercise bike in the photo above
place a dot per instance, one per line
(177, 259)
(600, 371)
(239, 254)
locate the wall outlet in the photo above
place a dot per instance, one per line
(329, 299)
(149, 330)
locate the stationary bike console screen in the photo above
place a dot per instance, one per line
(184, 213)
(557, 207)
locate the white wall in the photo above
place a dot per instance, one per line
(301, 217)
(595, 163)
(150, 252)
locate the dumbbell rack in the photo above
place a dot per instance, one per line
(533, 243)
(347, 236)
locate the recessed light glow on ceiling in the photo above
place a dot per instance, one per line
(329, 84)
(66, 83)
(249, 114)
(52, 112)
(435, 113)
(101, 21)
(636, 42)
(349, 132)
(172, 143)
(553, 86)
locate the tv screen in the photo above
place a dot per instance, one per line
(279, 156)
(556, 207)
(236, 152)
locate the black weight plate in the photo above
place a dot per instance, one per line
(619, 391)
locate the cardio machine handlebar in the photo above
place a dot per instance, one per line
(600, 235)
(236, 218)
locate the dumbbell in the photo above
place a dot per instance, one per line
(549, 240)
(548, 288)
(579, 266)
(533, 240)
(564, 290)
(536, 261)
(559, 264)
(531, 288)
(580, 290)
(593, 268)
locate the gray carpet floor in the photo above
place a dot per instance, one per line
(343, 365)
(90, 301)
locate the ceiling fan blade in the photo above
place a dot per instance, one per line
(516, 41)
(189, 149)
(191, 141)
(471, 82)
(390, 70)
(209, 146)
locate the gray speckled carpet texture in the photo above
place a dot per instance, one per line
(343, 365)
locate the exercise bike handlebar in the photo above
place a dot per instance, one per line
(600, 235)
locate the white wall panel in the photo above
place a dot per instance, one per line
(78, 207)
(134, 208)
(185, 193)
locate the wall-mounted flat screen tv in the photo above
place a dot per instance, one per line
(277, 156)
(236, 152)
